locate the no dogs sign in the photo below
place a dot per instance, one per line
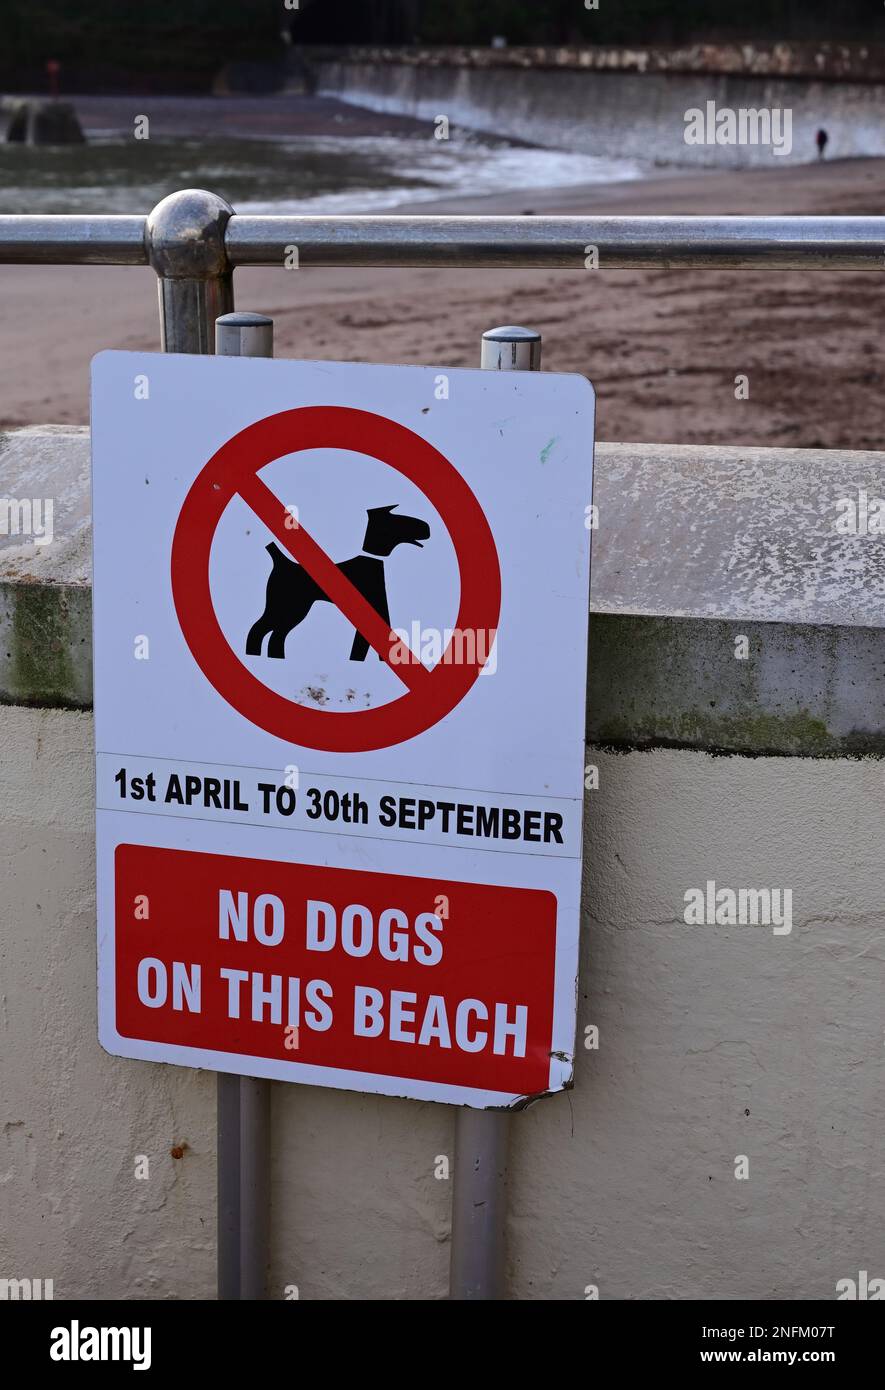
(340, 662)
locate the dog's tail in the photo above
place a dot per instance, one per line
(281, 561)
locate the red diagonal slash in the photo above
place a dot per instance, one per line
(334, 584)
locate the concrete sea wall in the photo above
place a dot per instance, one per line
(626, 109)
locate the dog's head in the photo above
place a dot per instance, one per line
(387, 528)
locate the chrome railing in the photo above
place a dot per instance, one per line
(194, 240)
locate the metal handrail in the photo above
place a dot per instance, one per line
(72, 240)
(620, 243)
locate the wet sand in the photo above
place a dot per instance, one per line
(240, 117)
(662, 347)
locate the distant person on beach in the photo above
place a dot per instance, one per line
(821, 140)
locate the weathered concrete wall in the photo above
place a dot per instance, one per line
(714, 1042)
(695, 548)
(73, 1123)
(839, 62)
(628, 111)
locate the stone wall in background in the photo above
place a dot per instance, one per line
(836, 62)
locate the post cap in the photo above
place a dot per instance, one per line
(244, 334)
(511, 349)
(510, 333)
(243, 319)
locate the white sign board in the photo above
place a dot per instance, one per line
(340, 620)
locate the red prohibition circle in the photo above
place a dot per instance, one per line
(234, 467)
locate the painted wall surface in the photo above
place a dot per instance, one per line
(715, 1042)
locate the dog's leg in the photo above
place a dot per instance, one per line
(284, 576)
(276, 647)
(377, 596)
(289, 597)
(360, 649)
(257, 633)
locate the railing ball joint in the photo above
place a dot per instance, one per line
(185, 243)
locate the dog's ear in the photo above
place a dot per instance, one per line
(373, 511)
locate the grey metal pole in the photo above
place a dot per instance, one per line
(479, 1196)
(479, 1205)
(243, 1142)
(254, 1186)
(227, 1212)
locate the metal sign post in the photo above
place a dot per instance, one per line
(243, 1124)
(479, 1196)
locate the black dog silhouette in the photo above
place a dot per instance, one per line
(291, 592)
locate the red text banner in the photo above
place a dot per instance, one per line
(366, 972)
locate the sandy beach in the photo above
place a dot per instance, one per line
(662, 347)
